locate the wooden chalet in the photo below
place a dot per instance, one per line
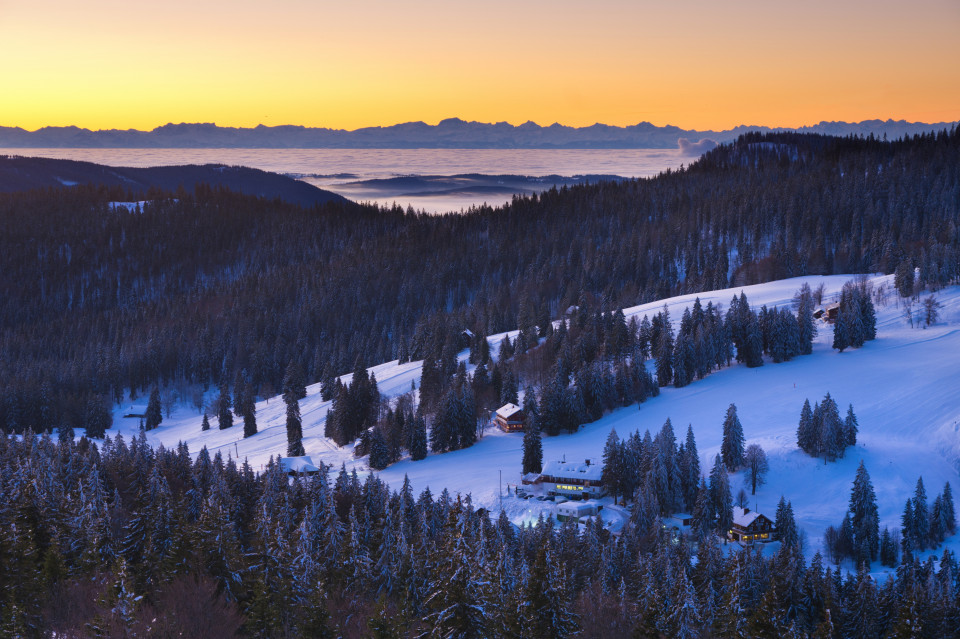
(302, 465)
(137, 411)
(828, 314)
(574, 480)
(509, 418)
(749, 526)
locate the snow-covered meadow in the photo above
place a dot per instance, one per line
(904, 387)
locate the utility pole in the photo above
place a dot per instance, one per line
(500, 488)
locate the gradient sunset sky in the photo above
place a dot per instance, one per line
(694, 63)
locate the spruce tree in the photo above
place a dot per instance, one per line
(888, 549)
(722, 499)
(949, 513)
(510, 392)
(841, 330)
(865, 520)
(807, 328)
(532, 449)
(850, 427)
(294, 431)
(293, 391)
(732, 446)
(224, 404)
(908, 530)
(205, 424)
(664, 349)
(785, 525)
(379, 454)
(921, 516)
(154, 414)
(418, 438)
(611, 464)
(248, 409)
(806, 437)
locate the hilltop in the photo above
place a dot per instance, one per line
(23, 173)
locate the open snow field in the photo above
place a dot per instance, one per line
(904, 387)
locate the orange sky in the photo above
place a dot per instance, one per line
(693, 63)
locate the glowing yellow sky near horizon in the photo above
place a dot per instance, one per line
(692, 63)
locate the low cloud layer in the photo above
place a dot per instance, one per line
(696, 148)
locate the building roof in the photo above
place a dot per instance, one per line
(572, 470)
(578, 507)
(508, 410)
(301, 464)
(135, 410)
(743, 517)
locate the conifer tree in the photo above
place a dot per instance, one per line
(612, 466)
(205, 424)
(721, 497)
(379, 454)
(248, 409)
(97, 417)
(294, 431)
(786, 525)
(154, 414)
(510, 391)
(865, 520)
(841, 330)
(949, 513)
(418, 438)
(732, 446)
(664, 349)
(224, 404)
(908, 530)
(921, 516)
(807, 328)
(532, 444)
(888, 549)
(293, 391)
(690, 469)
(806, 435)
(850, 427)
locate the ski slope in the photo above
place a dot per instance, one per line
(904, 387)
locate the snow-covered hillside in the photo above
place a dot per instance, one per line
(904, 387)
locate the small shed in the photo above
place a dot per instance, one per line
(302, 465)
(577, 509)
(679, 520)
(136, 411)
(530, 479)
(509, 418)
(466, 338)
(750, 526)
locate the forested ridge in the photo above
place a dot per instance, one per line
(211, 287)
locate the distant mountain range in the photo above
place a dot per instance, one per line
(450, 133)
(20, 174)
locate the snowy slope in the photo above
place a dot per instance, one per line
(904, 386)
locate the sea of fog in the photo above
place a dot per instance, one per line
(434, 180)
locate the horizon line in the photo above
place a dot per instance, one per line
(458, 119)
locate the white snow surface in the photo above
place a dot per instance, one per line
(904, 387)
